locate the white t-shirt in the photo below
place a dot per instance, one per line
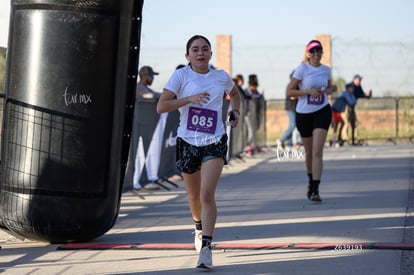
(312, 78)
(201, 125)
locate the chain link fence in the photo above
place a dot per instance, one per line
(380, 118)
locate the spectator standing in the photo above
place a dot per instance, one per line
(198, 93)
(290, 107)
(342, 109)
(239, 80)
(253, 87)
(311, 83)
(146, 77)
(257, 98)
(247, 97)
(359, 93)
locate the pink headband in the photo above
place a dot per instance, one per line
(313, 45)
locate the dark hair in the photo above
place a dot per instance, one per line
(253, 80)
(195, 37)
(349, 85)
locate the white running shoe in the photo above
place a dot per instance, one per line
(198, 239)
(205, 259)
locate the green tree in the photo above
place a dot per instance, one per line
(407, 105)
(340, 83)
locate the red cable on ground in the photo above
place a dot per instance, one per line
(242, 246)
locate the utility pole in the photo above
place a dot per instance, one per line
(224, 53)
(325, 39)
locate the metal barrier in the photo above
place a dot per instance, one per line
(389, 118)
(152, 148)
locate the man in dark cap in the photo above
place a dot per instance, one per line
(146, 77)
(358, 93)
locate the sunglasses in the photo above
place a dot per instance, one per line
(316, 50)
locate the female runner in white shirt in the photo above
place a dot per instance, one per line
(311, 84)
(198, 93)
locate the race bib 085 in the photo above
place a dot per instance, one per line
(202, 120)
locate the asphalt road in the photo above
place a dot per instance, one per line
(364, 224)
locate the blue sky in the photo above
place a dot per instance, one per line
(374, 38)
(270, 22)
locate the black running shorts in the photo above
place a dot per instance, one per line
(321, 119)
(190, 157)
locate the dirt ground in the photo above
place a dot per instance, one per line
(370, 121)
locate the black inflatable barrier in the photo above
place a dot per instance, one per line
(69, 82)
